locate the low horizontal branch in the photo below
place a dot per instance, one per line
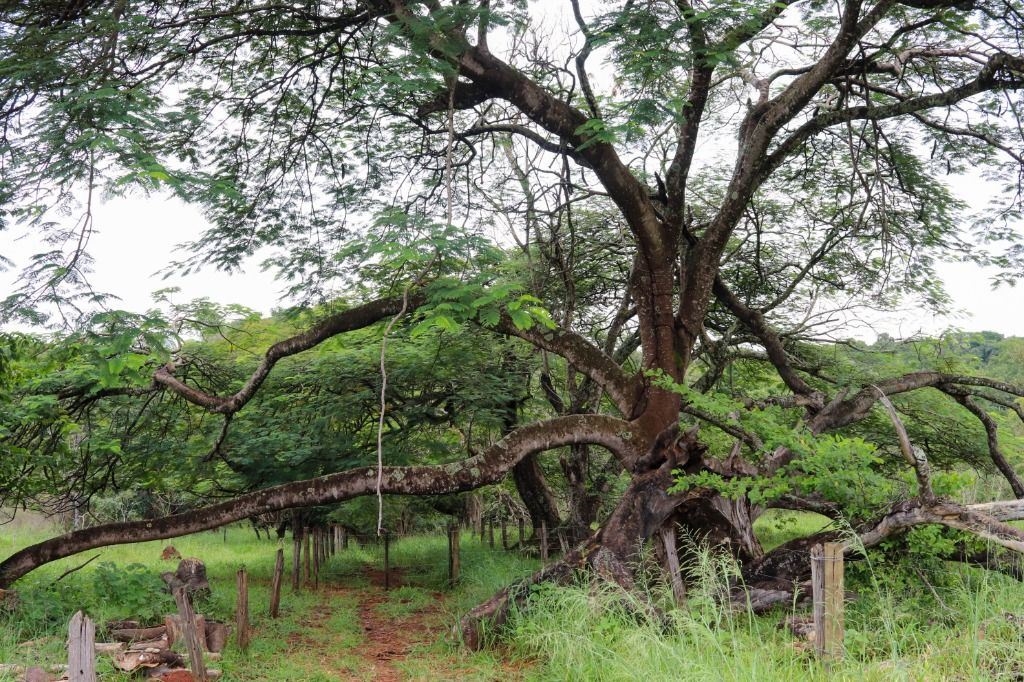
(489, 467)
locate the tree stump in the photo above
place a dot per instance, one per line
(191, 575)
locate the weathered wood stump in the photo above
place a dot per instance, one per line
(81, 649)
(191, 575)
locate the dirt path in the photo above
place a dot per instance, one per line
(395, 635)
(385, 642)
(389, 640)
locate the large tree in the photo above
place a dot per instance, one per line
(749, 170)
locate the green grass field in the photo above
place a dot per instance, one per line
(959, 626)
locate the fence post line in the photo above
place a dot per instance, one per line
(190, 633)
(387, 561)
(544, 542)
(306, 568)
(317, 546)
(834, 600)
(668, 539)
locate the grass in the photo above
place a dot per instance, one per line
(897, 628)
(319, 633)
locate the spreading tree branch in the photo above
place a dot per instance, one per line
(489, 467)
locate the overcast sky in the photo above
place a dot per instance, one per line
(136, 237)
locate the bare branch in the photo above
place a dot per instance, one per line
(585, 357)
(345, 321)
(915, 456)
(992, 434)
(944, 513)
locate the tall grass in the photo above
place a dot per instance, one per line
(897, 629)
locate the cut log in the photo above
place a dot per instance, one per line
(216, 635)
(18, 669)
(138, 634)
(126, 624)
(176, 633)
(129, 661)
(166, 674)
(37, 674)
(110, 647)
(145, 645)
(191, 575)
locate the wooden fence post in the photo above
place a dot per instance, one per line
(454, 536)
(828, 593)
(316, 558)
(190, 634)
(275, 585)
(81, 649)
(306, 568)
(544, 542)
(296, 559)
(344, 537)
(242, 610)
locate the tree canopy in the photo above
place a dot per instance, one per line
(611, 208)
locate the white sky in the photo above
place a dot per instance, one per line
(136, 237)
(133, 240)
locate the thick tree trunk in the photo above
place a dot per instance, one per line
(611, 553)
(536, 494)
(584, 495)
